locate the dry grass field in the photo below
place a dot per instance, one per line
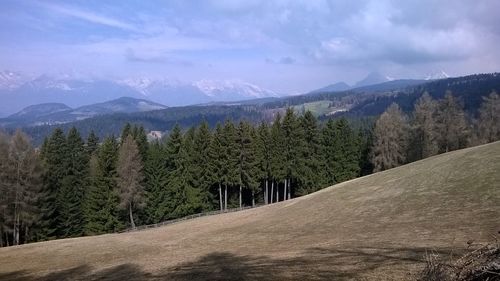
(377, 227)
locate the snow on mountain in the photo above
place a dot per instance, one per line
(77, 90)
(10, 80)
(240, 89)
(438, 75)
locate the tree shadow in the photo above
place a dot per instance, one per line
(319, 263)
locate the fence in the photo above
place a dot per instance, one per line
(167, 222)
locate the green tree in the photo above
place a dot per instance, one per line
(264, 157)
(101, 200)
(246, 164)
(54, 155)
(310, 158)
(71, 193)
(277, 156)
(216, 155)
(156, 180)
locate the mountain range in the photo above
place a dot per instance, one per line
(18, 91)
(59, 113)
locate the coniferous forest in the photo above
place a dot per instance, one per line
(74, 185)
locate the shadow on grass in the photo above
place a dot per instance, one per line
(313, 264)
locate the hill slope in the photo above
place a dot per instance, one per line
(378, 227)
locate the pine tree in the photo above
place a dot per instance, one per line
(452, 125)
(92, 143)
(130, 177)
(216, 155)
(390, 139)
(277, 157)
(424, 128)
(310, 158)
(264, 157)
(101, 199)
(200, 161)
(229, 161)
(489, 119)
(71, 193)
(54, 155)
(246, 165)
(156, 180)
(293, 141)
(126, 131)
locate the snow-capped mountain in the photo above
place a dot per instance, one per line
(11, 80)
(438, 75)
(78, 91)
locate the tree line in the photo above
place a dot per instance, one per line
(434, 127)
(71, 187)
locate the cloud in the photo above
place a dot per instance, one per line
(131, 56)
(91, 17)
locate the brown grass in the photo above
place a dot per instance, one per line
(378, 227)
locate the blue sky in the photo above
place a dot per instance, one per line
(285, 46)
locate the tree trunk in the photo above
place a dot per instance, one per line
(131, 216)
(253, 199)
(289, 190)
(284, 190)
(6, 239)
(240, 195)
(225, 198)
(16, 231)
(220, 197)
(1, 237)
(272, 191)
(26, 234)
(266, 196)
(277, 191)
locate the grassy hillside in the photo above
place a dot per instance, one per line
(377, 227)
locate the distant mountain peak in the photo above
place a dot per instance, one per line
(336, 87)
(438, 75)
(372, 78)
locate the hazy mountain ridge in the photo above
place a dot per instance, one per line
(78, 91)
(58, 113)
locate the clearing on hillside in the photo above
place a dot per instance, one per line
(377, 227)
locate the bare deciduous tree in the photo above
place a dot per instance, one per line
(425, 135)
(452, 124)
(130, 177)
(390, 139)
(489, 119)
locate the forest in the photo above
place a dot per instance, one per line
(74, 186)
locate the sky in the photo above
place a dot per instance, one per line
(285, 46)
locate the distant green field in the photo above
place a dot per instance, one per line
(378, 227)
(317, 108)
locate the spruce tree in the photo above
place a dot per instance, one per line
(246, 164)
(277, 157)
(263, 156)
(310, 156)
(200, 160)
(293, 141)
(54, 155)
(215, 161)
(73, 184)
(92, 143)
(156, 180)
(101, 199)
(229, 163)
